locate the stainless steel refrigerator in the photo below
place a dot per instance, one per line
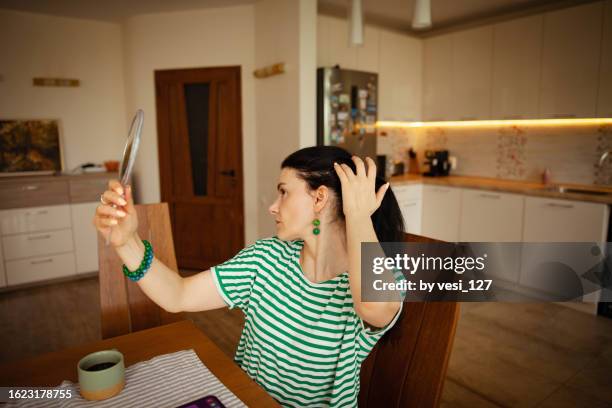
(347, 107)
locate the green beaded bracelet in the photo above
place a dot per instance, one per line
(144, 265)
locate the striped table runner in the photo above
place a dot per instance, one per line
(165, 381)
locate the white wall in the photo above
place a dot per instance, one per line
(92, 116)
(285, 31)
(201, 38)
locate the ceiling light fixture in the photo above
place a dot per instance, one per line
(422, 15)
(356, 24)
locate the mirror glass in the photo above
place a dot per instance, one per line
(131, 148)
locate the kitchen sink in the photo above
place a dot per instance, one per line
(575, 190)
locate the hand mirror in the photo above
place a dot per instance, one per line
(131, 148)
(129, 154)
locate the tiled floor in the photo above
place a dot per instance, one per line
(504, 355)
(529, 355)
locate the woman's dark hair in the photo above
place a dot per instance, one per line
(315, 165)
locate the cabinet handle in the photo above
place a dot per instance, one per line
(48, 260)
(30, 188)
(442, 190)
(41, 212)
(557, 205)
(47, 236)
(485, 195)
(410, 204)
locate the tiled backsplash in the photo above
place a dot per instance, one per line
(518, 152)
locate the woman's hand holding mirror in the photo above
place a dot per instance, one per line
(116, 217)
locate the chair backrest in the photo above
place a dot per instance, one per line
(124, 307)
(407, 367)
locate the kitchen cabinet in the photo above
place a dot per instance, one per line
(553, 220)
(400, 75)
(571, 61)
(410, 201)
(367, 54)
(471, 73)
(604, 101)
(517, 51)
(85, 237)
(52, 240)
(488, 216)
(441, 211)
(37, 244)
(437, 78)
(323, 57)
(339, 51)
(40, 268)
(34, 219)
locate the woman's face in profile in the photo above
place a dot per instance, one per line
(293, 209)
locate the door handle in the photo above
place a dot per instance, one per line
(229, 173)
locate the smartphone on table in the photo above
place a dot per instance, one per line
(209, 401)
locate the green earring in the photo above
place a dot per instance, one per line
(316, 224)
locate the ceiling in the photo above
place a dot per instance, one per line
(397, 14)
(113, 10)
(394, 14)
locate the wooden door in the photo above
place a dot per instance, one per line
(200, 154)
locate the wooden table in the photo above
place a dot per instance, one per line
(52, 368)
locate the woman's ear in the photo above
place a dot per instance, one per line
(321, 197)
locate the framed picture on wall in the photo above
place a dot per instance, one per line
(30, 147)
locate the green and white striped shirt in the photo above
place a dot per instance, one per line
(302, 341)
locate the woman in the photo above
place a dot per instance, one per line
(306, 329)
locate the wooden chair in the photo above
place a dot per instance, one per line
(407, 367)
(125, 308)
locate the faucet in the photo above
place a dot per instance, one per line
(603, 157)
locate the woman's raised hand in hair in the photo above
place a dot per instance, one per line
(359, 195)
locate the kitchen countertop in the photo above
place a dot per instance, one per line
(508, 186)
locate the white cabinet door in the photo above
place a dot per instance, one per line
(604, 102)
(339, 51)
(471, 80)
(437, 78)
(488, 216)
(570, 61)
(85, 237)
(367, 55)
(35, 219)
(412, 211)
(441, 209)
(409, 198)
(323, 57)
(553, 220)
(550, 220)
(517, 52)
(39, 268)
(37, 244)
(399, 79)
